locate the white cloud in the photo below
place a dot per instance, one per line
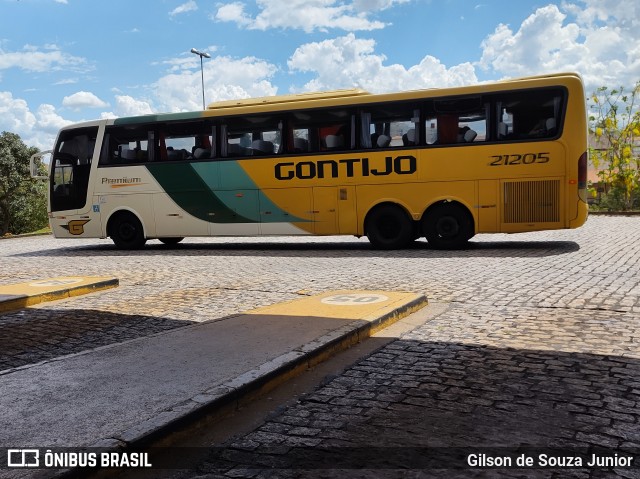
(591, 13)
(49, 120)
(67, 81)
(83, 99)
(307, 15)
(35, 129)
(541, 44)
(15, 115)
(190, 6)
(600, 40)
(41, 59)
(374, 5)
(233, 12)
(225, 78)
(129, 106)
(347, 61)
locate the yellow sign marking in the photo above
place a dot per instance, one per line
(351, 305)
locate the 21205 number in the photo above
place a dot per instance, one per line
(518, 159)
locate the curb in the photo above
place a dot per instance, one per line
(13, 302)
(224, 398)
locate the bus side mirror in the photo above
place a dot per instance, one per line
(37, 165)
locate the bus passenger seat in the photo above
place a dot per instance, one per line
(300, 145)
(233, 149)
(333, 142)
(201, 153)
(503, 129)
(262, 147)
(550, 125)
(469, 136)
(409, 138)
(128, 155)
(383, 141)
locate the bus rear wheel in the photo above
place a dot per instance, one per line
(389, 227)
(447, 226)
(126, 231)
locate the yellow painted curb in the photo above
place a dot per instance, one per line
(344, 304)
(368, 311)
(22, 295)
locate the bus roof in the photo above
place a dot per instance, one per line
(340, 97)
(284, 99)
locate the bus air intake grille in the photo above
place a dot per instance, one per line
(532, 201)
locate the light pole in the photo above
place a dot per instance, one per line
(201, 55)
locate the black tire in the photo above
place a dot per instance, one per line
(126, 231)
(171, 241)
(389, 227)
(448, 226)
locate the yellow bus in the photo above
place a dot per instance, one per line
(444, 164)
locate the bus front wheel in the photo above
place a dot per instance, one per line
(126, 231)
(447, 226)
(389, 227)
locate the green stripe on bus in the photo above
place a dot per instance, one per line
(188, 189)
(195, 187)
(233, 186)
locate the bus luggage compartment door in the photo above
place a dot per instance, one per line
(334, 210)
(487, 206)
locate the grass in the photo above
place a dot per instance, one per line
(43, 231)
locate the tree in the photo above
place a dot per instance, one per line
(22, 199)
(615, 125)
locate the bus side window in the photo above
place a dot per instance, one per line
(529, 115)
(389, 126)
(184, 141)
(125, 145)
(319, 130)
(251, 136)
(460, 120)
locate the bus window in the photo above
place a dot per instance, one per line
(389, 126)
(321, 130)
(127, 145)
(456, 121)
(529, 114)
(187, 141)
(252, 136)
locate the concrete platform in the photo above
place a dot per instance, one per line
(21, 295)
(127, 394)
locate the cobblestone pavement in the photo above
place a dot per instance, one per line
(538, 345)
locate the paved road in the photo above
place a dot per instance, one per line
(538, 344)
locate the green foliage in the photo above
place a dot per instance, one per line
(23, 205)
(617, 200)
(615, 125)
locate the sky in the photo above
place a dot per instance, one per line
(65, 61)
